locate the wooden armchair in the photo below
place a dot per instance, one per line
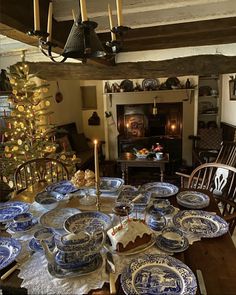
(39, 170)
(226, 155)
(220, 179)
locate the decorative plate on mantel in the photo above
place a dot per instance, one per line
(150, 84)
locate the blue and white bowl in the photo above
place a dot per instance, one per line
(49, 199)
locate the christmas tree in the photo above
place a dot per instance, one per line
(28, 132)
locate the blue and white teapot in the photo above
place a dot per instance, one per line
(73, 251)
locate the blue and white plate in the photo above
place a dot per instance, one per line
(58, 272)
(110, 184)
(9, 210)
(160, 189)
(87, 221)
(193, 199)
(158, 274)
(62, 187)
(16, 229)
(160, 242)
(203, 223)
(9, 249)
(55, 218)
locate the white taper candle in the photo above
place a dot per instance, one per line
(119, 12)
(113, 36)
(83, 10)
(36, 16)
(49, 27)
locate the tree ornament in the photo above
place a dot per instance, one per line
(11, 184)
(21, 108)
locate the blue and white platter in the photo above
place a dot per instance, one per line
(128, 193)
(158, 274)
(193, 199)
(110, 184)
(160, 189)
(161, 244)
(60, 273)
(87, 221)
(16, 229)
(9, 250)
(55, 218)
(202, 223)
(9, 210)
(62, 187)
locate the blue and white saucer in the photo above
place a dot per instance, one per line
(160, 242)
(16, 229)
(35, 246)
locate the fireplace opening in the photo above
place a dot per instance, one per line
(140, 120)
(139, 128)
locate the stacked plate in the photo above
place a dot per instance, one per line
(193, 199)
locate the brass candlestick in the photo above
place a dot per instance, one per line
(98, 194)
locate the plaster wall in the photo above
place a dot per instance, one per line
(69, 110)
(228, 112)
(94, 132)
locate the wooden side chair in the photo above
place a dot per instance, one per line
(226, 155)
(39, 170)
(220, 179)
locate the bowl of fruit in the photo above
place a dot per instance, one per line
(142, 154)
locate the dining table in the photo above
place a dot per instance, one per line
(215, 257)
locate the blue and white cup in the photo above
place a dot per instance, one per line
(156, 221)
(173, 237)
(161, 204)
(23, 221)
(46, 235)
(159, 155)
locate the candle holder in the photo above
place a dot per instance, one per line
(120, 30)
(98, 195)
(45, 46)
(114, 45)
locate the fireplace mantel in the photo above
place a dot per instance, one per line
(184, 94)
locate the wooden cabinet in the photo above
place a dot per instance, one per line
(209, 101)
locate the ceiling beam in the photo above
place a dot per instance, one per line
(16, 18)
(193, 65)
(210, 32)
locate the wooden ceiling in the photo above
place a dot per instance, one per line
(155, 24)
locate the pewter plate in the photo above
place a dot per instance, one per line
(9, 249)
(160, 189)
(202, 223)
(193, 199)
(158, 274)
